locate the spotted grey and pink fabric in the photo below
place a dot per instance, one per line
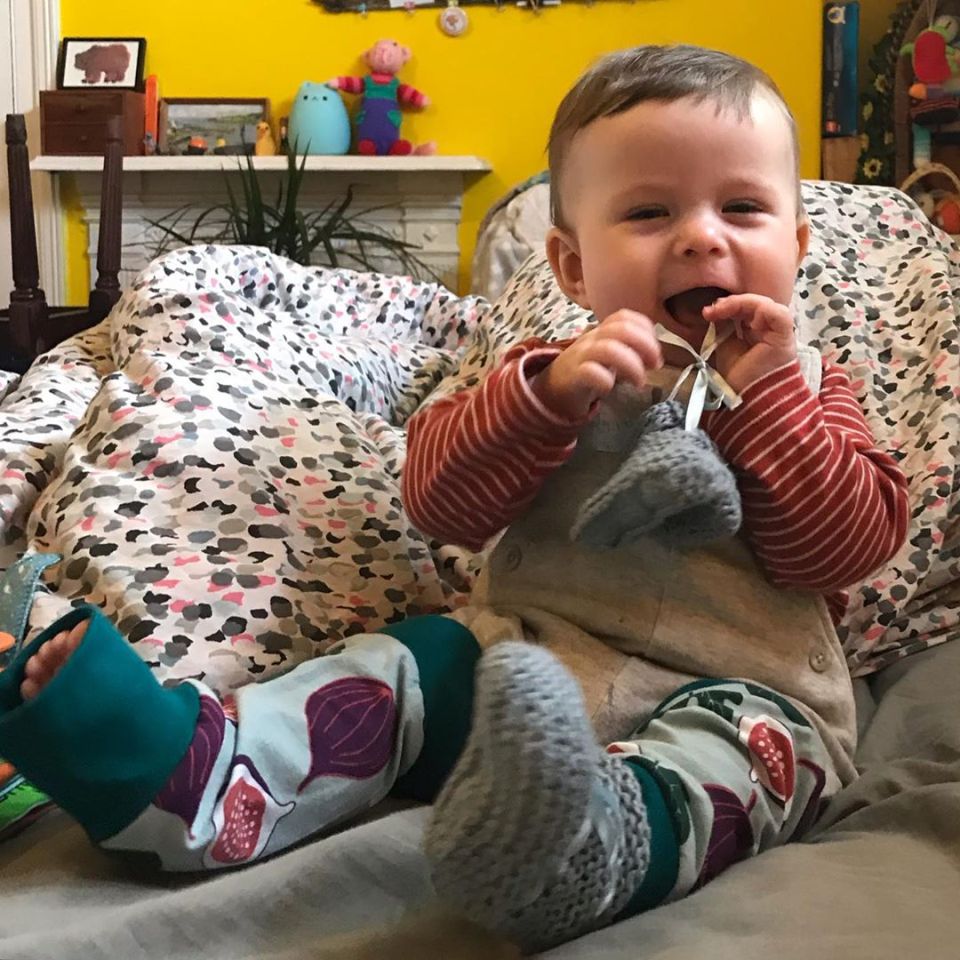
(218, 462)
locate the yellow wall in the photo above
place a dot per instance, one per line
(493, 90)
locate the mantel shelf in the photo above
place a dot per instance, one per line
(344, 164)
(415, 199)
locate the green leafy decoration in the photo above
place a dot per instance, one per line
(877, 162)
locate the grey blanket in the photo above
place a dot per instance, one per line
(879, 879)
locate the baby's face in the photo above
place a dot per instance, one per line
(669, 206)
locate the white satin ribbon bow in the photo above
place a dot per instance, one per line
(710, 391)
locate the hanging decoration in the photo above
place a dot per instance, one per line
(453, 20)
(453, 23)
(877, 163)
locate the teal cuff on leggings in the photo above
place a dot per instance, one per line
(446, 653)
(664, 866)
(102, 737)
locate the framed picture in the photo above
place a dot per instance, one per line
(199, 125)
(115, 63)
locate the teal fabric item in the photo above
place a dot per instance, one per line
(446, 653)
(103, 736)
(661, 875)
(17, 589)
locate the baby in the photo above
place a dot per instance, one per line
(678, 223)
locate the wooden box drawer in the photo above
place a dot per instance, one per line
(76, 105)
(75, 121)
(75, 139)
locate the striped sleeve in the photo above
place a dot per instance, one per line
(350, 84)
(823, 506)
(477, 459)
(410, 95)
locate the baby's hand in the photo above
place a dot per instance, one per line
(621, 348)
(764, 339)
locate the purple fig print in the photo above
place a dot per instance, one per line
(182, 793)
(245, 818)
(731, 837)
(352, 725)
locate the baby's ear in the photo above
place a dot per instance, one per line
(563, 252)
(803, 239)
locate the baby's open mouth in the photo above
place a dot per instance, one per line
(687, 306)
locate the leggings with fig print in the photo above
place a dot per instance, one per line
(207, 782)
(727, 767)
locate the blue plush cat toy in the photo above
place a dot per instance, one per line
(319, 123)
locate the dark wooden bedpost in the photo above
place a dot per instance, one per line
(28, 305)
(107, 290)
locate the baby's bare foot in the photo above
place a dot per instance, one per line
(42, 667)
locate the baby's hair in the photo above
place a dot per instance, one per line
(625, 78)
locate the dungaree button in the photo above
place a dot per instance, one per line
(818, 660)
(513, 557)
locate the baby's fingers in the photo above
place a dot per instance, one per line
(635, 331)
(620, 359)
(755, 318)
(594, 380)
(737, 307)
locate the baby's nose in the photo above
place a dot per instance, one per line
(700, 236)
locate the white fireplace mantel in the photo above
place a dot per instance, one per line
(417, 199)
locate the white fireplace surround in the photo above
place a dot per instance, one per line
(418, 199)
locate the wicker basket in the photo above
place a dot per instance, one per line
(933, 170)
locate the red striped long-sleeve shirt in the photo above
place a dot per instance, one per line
(822, 506)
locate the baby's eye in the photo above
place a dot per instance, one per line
(647, 213)
(743, 206)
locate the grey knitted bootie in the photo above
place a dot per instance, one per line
(673, 486)
(537, 835)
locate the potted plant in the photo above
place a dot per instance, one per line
(335, 236)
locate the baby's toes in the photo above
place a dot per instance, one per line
(76, 635)
(29, 688)
(36, 672)
(42, 661)
(41, 667)
(44, 664)
(55, 651)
